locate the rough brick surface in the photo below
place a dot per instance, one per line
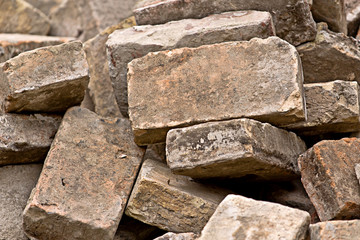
(292, 18)
(332, 107)
(18, 16)
(321, 59)
(335, 230)
(12, 45)
(16, 183)
(177, 236)
(234, 148)
(26, 138)
(87, 178)
(214, 82)
(49, 79)
(328, 176)
(238, 217)
(46, 6)
(170, 202)
(126, 45)
(352, 9)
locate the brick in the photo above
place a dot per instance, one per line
(320, 58)
(16, 183)
(87, 178)
(177, 236)
(100, 88)
(334, 230)
(234, 148)
(332, 12)
(292, 18)
(171, 202)
(187, 86)
(26, 138)
(352, 10)
(84, 19)
(239, 217)
(126, 45)
(332, 107)
(328, 176)
(18, 16)
(12, 45)
(49, 79)
(45, 6)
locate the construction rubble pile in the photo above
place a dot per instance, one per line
(179, 119)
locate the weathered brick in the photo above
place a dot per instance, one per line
(99, 88)
(45, 6)
(332, 107)
(321, 58)
(126, 45)
(260, 78)
(328, 176)
(16, 183)
(239, 217)
(335, 230)
(177, 236)
(49, 79)
(87, 178)
(26, 138)
(234, 148)
(332, 12)
(171, 202)
(352, 9)
(18, 16)
(12, 45)
(292, 18)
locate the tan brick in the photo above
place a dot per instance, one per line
(171, 202)
(26, 138)
(126, 45)
(45, 6)
(260, 78)
(16, 183)
(239, 217)
(292, 18)
(12, 45)
(352, 10)
(177, 236)
(335, 230)
(328, 176)
(87, 178)
(49, 79)
(234, 148)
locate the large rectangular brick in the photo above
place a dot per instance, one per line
(292, 18)
(48, 79)
(26, 138)
(171, 202)
(335, 230)
(86, 181)
(16, 183)
(260, 78)
(12, 45)
(332, 107)
(328, 175)
(238, 217)
(126, 45)
(234, 148)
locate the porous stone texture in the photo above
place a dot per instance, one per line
(100, 89)
(18, 16)
(12, 45)
(260, 78)
(357, 171)
(328, 176)
(49, 79)
(292, 18)
(170, 202)
(16, 183)
(332, 12)
(321, 59)
(352, 9)
(126, 45)
(177, 236)
(45, 6)
(84, 19)
(87, 178)
(26, 138)
(335, 230)
(332, 107)
(234, 148)
(239, 217)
